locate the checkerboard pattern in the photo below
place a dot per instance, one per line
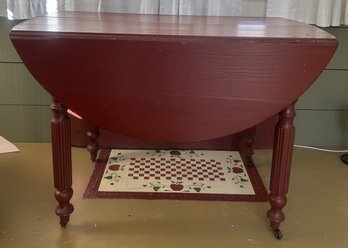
(176, 169)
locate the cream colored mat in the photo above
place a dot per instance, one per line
(176, 171)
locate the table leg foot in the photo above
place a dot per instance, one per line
(275, 214)
(64, 220)
(93, 146)
(65, 208)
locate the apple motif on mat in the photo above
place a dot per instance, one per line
(114, 167)
(237, 170)
(177, 186)
(175, 153)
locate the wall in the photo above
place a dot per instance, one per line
(322, 112)
(24, 113)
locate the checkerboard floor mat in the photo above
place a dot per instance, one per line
(175, 174)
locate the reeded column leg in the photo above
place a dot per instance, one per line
(245, 145)
(61, 152)
(281, 163)
(93, 146)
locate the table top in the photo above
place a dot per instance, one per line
(172, 78)
(167, 25)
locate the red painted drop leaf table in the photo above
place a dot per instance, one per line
(172, 79)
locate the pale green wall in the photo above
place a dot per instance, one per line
(322, 112)
(24, 112)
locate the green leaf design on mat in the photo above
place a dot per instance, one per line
(155, 186)
(108, 177)
(117, 158)
(197, 189)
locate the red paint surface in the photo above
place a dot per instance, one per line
(173, 79)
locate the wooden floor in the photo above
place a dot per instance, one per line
(316, 213)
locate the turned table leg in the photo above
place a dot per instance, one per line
(93, 146)
(61, 152)
(281, 163)
(245, 145)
